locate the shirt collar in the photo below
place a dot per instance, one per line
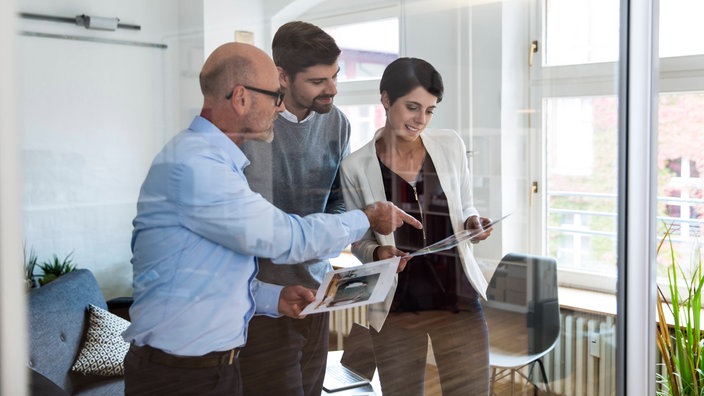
(218, 137)
(292, 117)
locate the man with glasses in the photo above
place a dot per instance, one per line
(199, 227)
(299, 173)
(279, 95)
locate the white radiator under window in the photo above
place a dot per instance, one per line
(583, 361)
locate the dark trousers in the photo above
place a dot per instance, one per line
(143, 377)
(285, 356)
(460, 345)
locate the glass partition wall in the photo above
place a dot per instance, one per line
(535, 88)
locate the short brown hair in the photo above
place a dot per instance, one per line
(298, 45)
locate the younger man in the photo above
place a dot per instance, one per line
(299, 173)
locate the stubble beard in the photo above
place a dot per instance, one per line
(321, 108)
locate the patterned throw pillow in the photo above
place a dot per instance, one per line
(104, 349)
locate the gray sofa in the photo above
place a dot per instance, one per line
(57, 322)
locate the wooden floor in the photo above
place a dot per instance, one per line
(432, 386)
(515, 339)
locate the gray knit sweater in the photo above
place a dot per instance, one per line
(299, 173)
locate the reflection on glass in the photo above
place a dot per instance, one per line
(367, 47)
(364, 121)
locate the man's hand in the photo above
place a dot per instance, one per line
(476, 224)
(387, 251)
(293, 299)
(385, 217)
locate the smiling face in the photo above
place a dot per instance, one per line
(312, 89)
(409, 115)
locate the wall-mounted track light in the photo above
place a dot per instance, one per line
(89, 22)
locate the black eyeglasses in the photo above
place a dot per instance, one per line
(278, 95)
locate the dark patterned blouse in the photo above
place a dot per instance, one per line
(429, 281)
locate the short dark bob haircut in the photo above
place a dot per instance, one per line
(406, 74)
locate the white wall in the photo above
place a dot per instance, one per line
(92, 116)
(224, 17)
(187, 38)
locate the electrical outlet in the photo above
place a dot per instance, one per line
(595, 344)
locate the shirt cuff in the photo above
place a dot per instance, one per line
(266, 298)
(357, 222)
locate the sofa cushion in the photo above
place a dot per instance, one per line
(103, 349)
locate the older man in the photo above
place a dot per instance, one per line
(199, 227)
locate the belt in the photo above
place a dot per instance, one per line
(212, 359)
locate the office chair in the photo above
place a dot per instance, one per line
(523, 317)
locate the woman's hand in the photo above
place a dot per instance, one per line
(476, 224)
(388, 251)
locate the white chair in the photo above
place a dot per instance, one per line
(523, 316)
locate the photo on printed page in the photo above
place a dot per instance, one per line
(354, 286)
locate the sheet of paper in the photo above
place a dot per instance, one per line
(354, 286)
(456, 239)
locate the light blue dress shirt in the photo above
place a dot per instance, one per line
(196, 234)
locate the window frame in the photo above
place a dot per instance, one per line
(357, 92)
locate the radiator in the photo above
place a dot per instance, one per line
(341, 322)
(583, 362)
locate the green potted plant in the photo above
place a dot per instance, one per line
(56, 267)
(681, 345)
(30, 264)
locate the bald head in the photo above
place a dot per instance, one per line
(235, 63)
(232, 81)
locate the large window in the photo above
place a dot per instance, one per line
(581, 182)
(574, 87)
(367, 47)
(571, 35)
(680, 126)
(681, 172)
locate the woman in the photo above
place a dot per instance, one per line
(437, 295)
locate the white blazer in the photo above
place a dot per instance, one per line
(362, 185)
